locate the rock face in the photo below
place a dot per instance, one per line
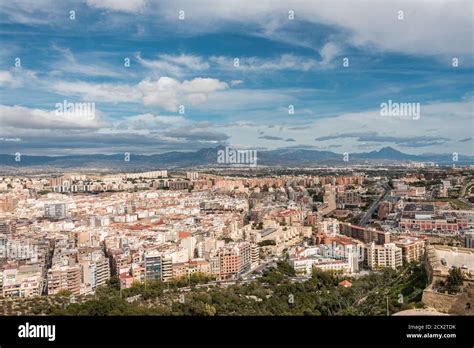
(439, 259)
(459, 304)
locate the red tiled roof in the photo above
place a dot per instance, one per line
(345, 283)
(183, 234)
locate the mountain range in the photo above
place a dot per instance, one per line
(290, 157)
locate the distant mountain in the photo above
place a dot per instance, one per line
(388, 153)
(208, 157)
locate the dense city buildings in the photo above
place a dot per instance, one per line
(75, 232)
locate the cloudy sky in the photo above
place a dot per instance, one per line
(183, 55)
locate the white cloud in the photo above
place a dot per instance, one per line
(16, 77)
(236, 82)
(170, 93)
(439, 130)
(429, 27)
(440, 28)
(97, 92)
(150, 121)
(5, 78)
(451, 120)
(20, 117)
(189, 61)
(30, 12)
(174, 65)
(283, 62)
(166, 92)
(70, 64)
(131, 6)
(329, 51)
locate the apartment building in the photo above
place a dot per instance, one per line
(152, 261)
(229, 264)
(382, 256)
(469, 239)
(413, 248)
(178, 185)
(97, 272)
(22, 281)
(448, 222)
(328, 226)
(192, 175)
(64, 278)
(166, 268)
(304, 260)
(55, 210)
(348, 198)
(7, 227)
(367, 235)
(254, 255)
(148, 175)
(199, 266)
(180, 269)
(215, 266)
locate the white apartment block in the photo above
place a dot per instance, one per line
(383, 256)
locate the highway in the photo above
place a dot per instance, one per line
(368, 214)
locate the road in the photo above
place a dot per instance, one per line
(269, 263)
(241, 280)
(368, 214)
(462, 191)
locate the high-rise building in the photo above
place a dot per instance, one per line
(229, 262)
(102, 271)
(166, 269)
(254, 255)
(235, 258)
(352, 258)
(153, 265)
(382, 256)
(469, 239)
(215, 265)
(245, 252)
(55, 210)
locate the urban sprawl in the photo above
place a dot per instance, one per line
(73, 232)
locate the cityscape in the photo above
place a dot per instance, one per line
(214, 166)
(158, 240)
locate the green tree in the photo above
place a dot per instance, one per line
(454, 281)
(64, 293)
(266, 243)
(114, 282)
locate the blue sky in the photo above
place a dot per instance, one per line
(190, 62)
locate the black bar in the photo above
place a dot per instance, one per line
(291, 331)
